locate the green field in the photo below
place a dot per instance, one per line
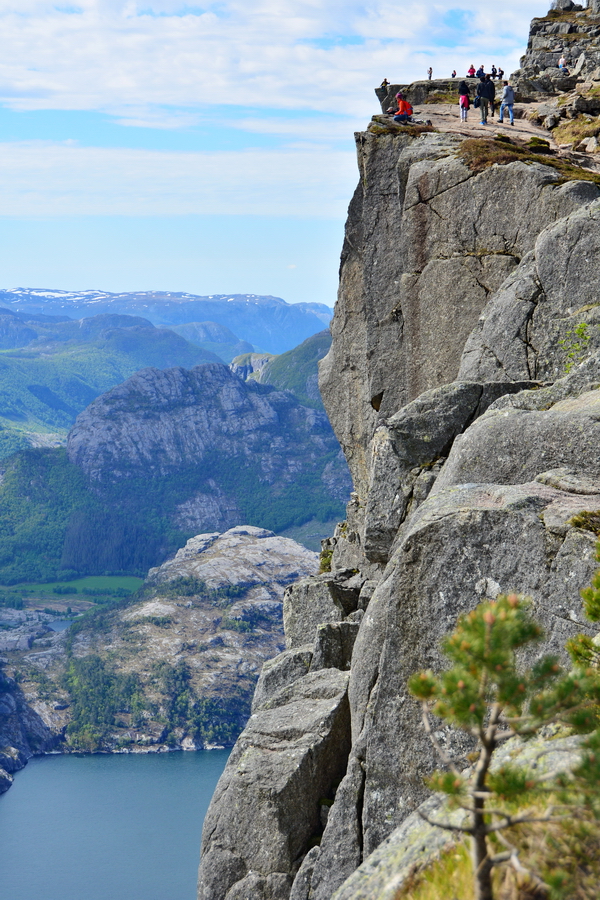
(99, 583)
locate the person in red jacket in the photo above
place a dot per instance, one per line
(404, 111)
(471, 72)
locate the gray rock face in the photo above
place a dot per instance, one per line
(289, 756)
(415, 843)
(407, 452)
(409, 299)
(306, 604)
(551, 293)
(513, 446)
(160, 421)
(472, 451)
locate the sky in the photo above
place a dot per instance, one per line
(164, 145)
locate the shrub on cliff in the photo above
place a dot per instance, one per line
(488, 695)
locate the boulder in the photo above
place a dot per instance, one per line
(266, 806)
(333, 646)
(283, 670)
(407, 453)
(306, 604)
(512, 446)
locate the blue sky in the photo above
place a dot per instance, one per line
(206, 148)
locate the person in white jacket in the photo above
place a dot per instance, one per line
(508, 100)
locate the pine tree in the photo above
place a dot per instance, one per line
(486, 694)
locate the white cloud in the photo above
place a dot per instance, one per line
(300, 71)
(113, 55)
(51, 179)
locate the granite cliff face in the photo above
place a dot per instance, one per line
(463, 383)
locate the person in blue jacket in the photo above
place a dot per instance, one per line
(508, 99)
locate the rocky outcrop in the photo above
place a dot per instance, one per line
(161, 421)
(23, 732)
(409, 299)
(208, 451)
(202, 627)
(464, 384)
(290, 756)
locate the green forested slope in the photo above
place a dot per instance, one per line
(54, 524)
(43, 388)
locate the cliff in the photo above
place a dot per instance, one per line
(463, 383)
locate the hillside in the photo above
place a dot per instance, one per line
(164, 456)
(52, 368)
(295, 371)
(172, 666)
(265, 322)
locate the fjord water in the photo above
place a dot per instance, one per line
(106, 827)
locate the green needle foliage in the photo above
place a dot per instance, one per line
(486, 694)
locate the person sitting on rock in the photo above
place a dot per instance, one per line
(508, 99)
(404, 111)
(385, 83)
(562, 63)
(480, 73)
(471, 72)
(453, 73)
(500, 73)
(464, 102)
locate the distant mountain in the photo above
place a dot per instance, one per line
(213, 337)
(160, 458)
(269, 323)
(295, 371)
(52, 368)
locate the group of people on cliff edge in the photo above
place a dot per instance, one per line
(485, 100)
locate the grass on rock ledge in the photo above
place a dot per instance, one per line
(480, 154)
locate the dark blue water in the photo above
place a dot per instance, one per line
(121, 827)
(59, 624)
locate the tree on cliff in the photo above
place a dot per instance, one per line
(486, 694)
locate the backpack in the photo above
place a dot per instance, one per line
(477, 102)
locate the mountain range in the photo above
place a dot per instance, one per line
(268, 323)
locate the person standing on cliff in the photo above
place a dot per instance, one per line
(489, 80)
(508, 99)
(463, 100)
(486, 93)
(429, 73)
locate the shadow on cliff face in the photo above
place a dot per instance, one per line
(23, 732)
